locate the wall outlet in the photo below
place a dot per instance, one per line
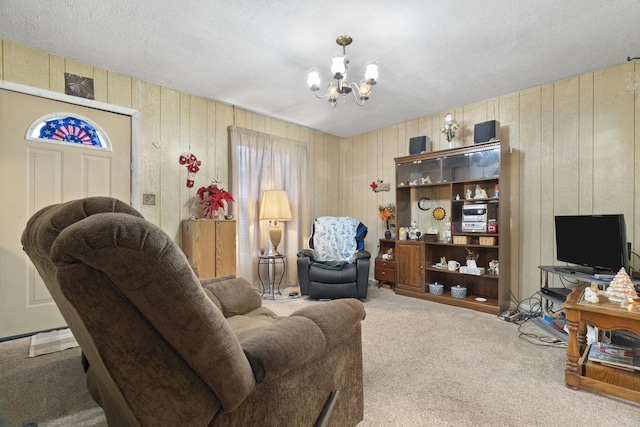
(148, 199)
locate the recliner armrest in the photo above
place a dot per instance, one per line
(309, 253)
(361, 255)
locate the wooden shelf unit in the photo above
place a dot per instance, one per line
(448, 174)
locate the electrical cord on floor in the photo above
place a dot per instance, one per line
(532, 313)
(521, 315)
(541, 340)
(534, 302)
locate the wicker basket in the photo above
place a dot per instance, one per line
(462, 240)
(487, 241)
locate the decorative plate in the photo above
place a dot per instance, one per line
(439, 213)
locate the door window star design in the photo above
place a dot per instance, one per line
(63, 128)
(70, 129)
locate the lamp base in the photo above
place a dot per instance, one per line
(275, 235)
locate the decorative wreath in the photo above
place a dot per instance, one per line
(439, 213)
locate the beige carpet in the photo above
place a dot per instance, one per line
(425, 364)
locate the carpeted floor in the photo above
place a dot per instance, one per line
(425, 364)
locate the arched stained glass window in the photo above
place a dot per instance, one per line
(65, 128)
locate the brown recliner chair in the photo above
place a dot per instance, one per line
(165, 349)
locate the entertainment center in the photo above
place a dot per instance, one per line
(455, 183)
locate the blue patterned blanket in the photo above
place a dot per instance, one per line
(334, 238)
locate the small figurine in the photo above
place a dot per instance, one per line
(414, 182)
(426, 180)
(472, 255)
(480, 193)
(467, 195)
(591, 294)
(390, 254)
(494, 267)
(414, 232)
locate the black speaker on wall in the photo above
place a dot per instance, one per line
(419, 144)
(485, 131)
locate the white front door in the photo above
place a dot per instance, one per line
(35, 174)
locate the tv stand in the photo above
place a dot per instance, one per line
(576, 273)
(550, 295)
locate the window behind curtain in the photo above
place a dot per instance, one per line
(262, 162)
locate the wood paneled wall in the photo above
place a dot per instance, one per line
(575, 150)
(170, 123)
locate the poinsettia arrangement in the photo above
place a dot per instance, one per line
(212, 198)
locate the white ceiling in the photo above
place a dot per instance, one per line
(433, 55)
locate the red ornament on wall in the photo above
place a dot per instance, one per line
(193, 165)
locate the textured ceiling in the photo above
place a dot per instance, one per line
(433, 55)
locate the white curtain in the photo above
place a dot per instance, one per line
(260, 162)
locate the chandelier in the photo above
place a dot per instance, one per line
(341, 85)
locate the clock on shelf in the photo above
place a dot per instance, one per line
(422, 204)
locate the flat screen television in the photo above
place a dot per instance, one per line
(598, 242)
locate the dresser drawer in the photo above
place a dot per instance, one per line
(383, 263)
(385, 274)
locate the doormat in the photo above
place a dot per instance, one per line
(52, 341)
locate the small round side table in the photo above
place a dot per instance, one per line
(273, 278)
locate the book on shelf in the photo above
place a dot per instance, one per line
(615, 355)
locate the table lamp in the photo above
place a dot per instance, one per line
(275, 207)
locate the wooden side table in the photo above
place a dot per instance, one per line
(605, 316)
(385, 269)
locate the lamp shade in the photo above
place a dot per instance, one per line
(337, 66)
(371, 73)
(275, 206)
